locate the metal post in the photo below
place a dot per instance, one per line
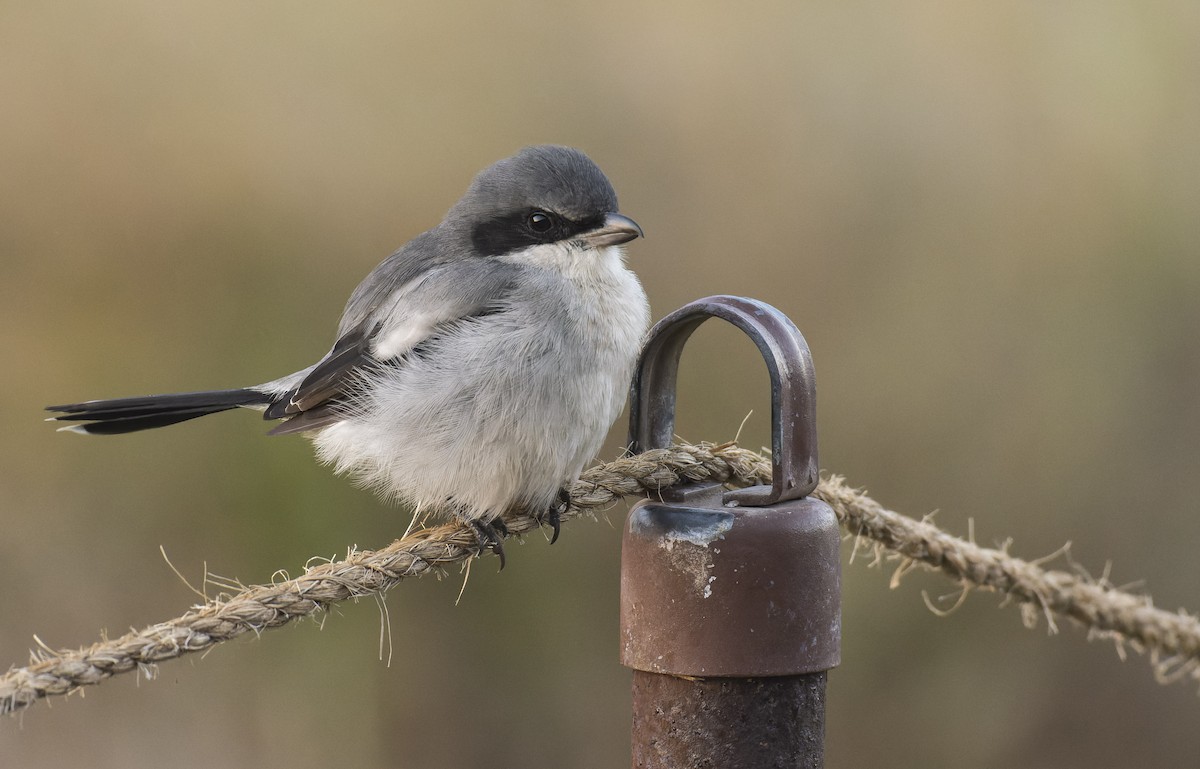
(728, 722)
(730, 600)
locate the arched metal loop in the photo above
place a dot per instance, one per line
(793, 391)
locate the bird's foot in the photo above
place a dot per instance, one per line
(552, 517)
(491, 537)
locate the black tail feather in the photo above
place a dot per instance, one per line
(126, 415)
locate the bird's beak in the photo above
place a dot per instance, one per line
(615, 230)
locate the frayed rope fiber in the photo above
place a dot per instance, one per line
(1171, 639)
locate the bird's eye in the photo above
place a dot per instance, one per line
(540, 221)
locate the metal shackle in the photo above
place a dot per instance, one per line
(793, 391)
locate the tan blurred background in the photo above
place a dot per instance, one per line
(984, 219)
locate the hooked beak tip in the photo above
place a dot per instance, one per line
(616, 229)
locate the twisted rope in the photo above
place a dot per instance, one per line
(1173, 640)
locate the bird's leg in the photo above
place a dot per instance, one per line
(553, 516)
(491, 537)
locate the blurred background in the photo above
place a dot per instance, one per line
(983, 218)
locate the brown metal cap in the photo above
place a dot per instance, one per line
(731, 592)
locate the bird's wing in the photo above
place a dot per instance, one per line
(394, 324)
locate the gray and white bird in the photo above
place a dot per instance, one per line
(478, 368)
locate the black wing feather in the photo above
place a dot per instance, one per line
(328, 379)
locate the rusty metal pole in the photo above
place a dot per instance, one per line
(731, 600)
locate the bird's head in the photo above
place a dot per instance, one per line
(543, 194)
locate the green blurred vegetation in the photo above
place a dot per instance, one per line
(983, 217)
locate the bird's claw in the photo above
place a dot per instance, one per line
(491, 537)
(553, 516)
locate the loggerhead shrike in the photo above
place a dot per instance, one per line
(478, 368)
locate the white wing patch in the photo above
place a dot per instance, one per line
(398, 339)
